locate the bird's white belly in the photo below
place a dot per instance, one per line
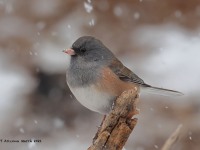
(93, 99)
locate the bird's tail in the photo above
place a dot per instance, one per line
(161, 91)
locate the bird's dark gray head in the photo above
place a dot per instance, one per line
(91, 49)
(88, 55)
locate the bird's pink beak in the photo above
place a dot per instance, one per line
(69, 51)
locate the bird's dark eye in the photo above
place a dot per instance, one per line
(83, 50)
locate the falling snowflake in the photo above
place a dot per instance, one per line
(118, 11)
(151, 109)
(69, 26)
(89, 1)
(91, 23)
(88, 7)
(136, 15)
(190, 138)
(41, 25)
(156, 146)
(54, 33)
(9, 8)
(178, 13)
(35, 121)
(21, 130)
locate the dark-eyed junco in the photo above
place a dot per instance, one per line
(96, 77)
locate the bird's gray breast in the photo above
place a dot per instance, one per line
(82, 74)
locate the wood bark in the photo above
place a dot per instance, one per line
(117, 126)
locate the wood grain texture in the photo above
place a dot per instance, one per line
(118, 124)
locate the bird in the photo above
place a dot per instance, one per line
(96, 77)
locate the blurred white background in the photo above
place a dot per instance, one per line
(158, 40)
